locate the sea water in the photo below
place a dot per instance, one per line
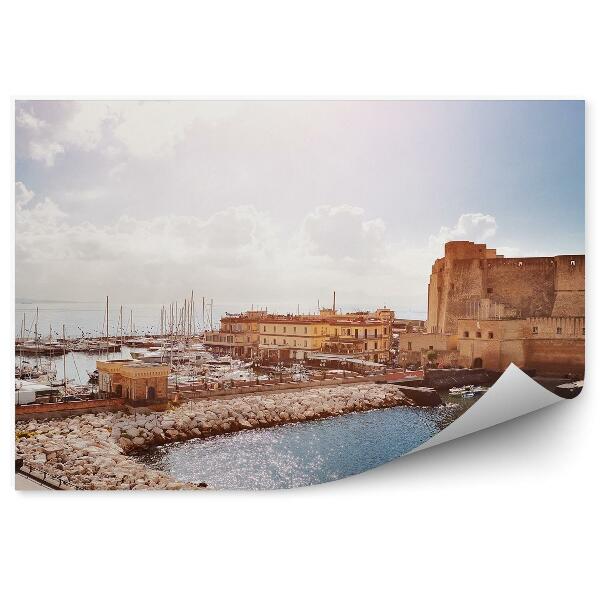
(302, 454)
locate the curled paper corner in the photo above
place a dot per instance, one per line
(513, 395)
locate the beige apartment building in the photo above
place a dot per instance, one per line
(275, 338)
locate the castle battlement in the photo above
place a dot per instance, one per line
(469, 273)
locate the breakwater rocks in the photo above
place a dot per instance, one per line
(94, 451)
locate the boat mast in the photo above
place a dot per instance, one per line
(37, 346)
(107, 328)
(21, 347)
(64, 360)
(193, 315)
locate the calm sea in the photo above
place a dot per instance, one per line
(303, 453)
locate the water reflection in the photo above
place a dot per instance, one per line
(304, 453)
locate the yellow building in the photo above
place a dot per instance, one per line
(136, 382)
(238, 335)
(276, 338)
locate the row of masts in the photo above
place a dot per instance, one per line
(181, 320)
(175, 322)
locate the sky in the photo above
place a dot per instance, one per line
(281, 202)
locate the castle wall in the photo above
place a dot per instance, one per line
(426, 341)
(556, 356)
(528, 287)
(526, 284)
(570, 286)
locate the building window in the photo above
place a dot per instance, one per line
(385, 331)
(375, 347)
(265, 341)
(306, 330)
(284, 342)
(274, 342)
(410, 345)
(490, 335)
(294, 330)
(294, 342)
(490, 290)
(466, 334)
(265, 329)
(583, 331)
(478, 334)
(520, 263)
(305, 343)
(535, 329)
(284, 329)
(572, 263)
(356, 333)
(559, 330)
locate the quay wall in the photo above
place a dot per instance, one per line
(61, 410)
(447, 378)
(556, 356)
(196, 395)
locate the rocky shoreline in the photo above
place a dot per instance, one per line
(96, 451)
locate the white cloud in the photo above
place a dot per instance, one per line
(342, 232)
(28, 120)
(474, 227)
(22, 195)
(45, 151)
(238, 251)
(85, 128)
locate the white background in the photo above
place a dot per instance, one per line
(507, 513)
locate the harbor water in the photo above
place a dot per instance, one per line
(303, 454)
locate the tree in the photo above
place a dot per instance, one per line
(431, 356)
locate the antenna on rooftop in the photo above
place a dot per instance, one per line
(334, 301)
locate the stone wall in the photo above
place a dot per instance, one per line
(468, 273)
(447, 378)
(526, 284)
(556, 357)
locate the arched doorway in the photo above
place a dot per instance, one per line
(151, 393)
(477, 363)
(119, 390)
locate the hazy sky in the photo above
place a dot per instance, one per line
(282, 202)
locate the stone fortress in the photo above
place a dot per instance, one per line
(485, 310)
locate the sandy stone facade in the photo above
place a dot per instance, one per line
(470, 274)
(494, 310)
(133, 381)
(274, 337)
